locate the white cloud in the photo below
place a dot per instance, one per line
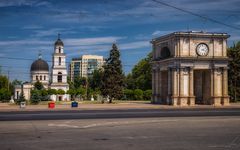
(7, 3)
(24, 42)
(92, 41)
(161, 32)
(134, 45)
(2, 54)
(32, 27)
(51, 32)
(156, 32)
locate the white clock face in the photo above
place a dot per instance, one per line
(202, 49)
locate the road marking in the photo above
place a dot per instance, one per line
(62, 125)
(65, 125)
(235, 142)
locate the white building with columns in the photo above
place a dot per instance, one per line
(190, 68)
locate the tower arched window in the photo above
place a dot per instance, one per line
(59, 77)
(40, 78)
(59, 50)
(44, 77)
(59, 61)
(36, 77)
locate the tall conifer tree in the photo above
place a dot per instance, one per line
(112, 82)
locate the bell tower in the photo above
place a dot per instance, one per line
(59, 70)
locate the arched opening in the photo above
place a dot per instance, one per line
(59, 50)
(40, 78)
(44, 77)
(59, 77)
(36, 77)
(59, 61)
(165, 52)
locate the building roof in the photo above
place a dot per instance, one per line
(59, 42)
(192, 34)
(39, 65)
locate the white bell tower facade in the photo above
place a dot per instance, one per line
(59, 71)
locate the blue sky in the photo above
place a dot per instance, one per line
(90, 27)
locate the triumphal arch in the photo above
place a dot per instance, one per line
(190, 68)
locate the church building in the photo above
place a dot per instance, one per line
(39, 71)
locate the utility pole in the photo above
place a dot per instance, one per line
(8, 80)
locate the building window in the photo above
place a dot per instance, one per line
(40, 77)
(59, 77)
(36, 77)
(44, 77)
(59, 50)
(59, 61)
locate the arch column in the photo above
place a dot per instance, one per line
(216, 83)
(225, 98)
(159, 85)
(169, 85)
(175, 87)
(191, 100)
(153, 86)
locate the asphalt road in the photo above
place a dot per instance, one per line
(158, 133)
(111, 114)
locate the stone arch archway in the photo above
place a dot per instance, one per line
(165, 52)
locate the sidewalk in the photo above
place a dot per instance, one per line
(6, 107)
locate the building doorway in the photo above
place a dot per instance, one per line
(60, 98)
(202, 86)
(164, 86)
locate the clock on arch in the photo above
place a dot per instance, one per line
(202, 49)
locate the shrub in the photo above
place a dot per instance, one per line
(52, 91)
(147, 95)
(61, 92)
(128, 94)
(138, 94)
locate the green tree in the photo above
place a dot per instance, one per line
(112, 81)
(35, 96)
(128, 94)
(147, 95)
(3, 82)
(52, 92)
(38, 85)
(129, 82)
(234, 72)
(141, 75)
(5, 90)
(60, 92)
(44, 95)
(138, 94)
(72, 93)
(5, 95)
(80, 82)
(80, 91)
(95, 81)
(16, 82)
